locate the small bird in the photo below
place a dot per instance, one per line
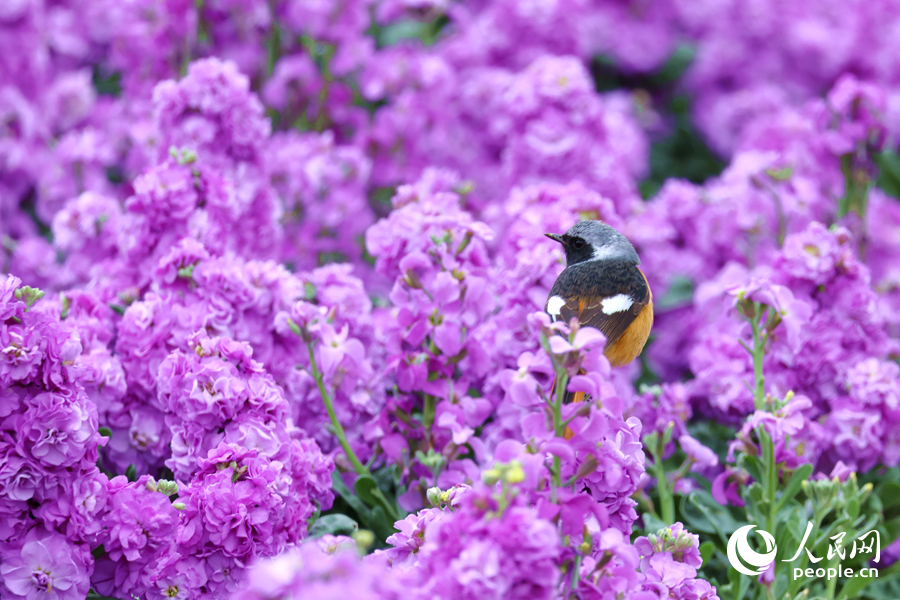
(603, 286)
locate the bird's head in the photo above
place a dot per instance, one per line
(593, 240)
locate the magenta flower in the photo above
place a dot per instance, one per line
(697, 452)
(44, 565)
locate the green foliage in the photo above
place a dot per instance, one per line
(889, 172)
(374, 516)
(107, 84)
(681, 154)
(425, 31)
(334, 524)
(811, 520)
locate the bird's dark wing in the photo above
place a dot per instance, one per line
(583, 289)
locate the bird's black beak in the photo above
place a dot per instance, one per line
(556, 238)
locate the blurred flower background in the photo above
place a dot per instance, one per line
(273, 277)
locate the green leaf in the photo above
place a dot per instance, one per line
(853, 587)
(105, 432)
(106, 84)
(652, 523)
(766, 446)
(344, 492)
(755, 492)
(98, 552)
(751, 463)
(794, 485)
(380, 523)
(707, 550)
(335, 524)
(884, 588)
(739, 584)
(678, 62)
(890, 495)
(294, 327)
(853, 508)
(703, 513)
(680, 293)
(889, 176)
(131, 473)
(779, 174)
(364, 488)
(368, 491)
(714, 436)
(373, 519)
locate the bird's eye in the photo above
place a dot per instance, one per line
(578, 244)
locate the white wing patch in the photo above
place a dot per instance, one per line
(554, 305)
(615, 304)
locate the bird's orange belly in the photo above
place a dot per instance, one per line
(629, 345)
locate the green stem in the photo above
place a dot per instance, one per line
(273, 48)
(666, 501)
(335, 423)
(562, 380)
(772, 476)
(832, 583)
(770, 486)
(857, 183)
(759, 342)
(428, 413)
(576, 573)
(645, 504)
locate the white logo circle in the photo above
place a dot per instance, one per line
(738, 547)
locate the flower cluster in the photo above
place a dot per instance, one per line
(295, 275)
(51, 491)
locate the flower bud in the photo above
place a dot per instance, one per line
(166, 487)
(587, 467)
(364, 539)
(412, 280)
(491, 476)
(515, 474)
(28, 295)
(434, 496)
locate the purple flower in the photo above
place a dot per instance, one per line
(44, 564)
(23, 478)
(468, 554)
(139, 520)
(669, 560)
(796, 438)
(697, 452)
(58, 429)
(318, 570)
(210, 111)
(411, 535)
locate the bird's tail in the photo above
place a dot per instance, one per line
(570, 397)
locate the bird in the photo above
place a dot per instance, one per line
(605, 288)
